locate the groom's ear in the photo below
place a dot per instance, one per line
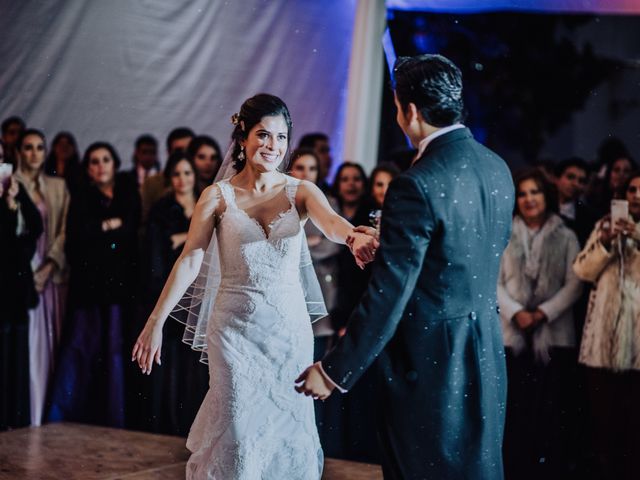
(412, 113)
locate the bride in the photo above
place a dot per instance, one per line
(258, 336)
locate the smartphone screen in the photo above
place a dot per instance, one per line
(619, 210)
(6, 169)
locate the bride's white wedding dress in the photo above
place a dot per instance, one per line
(252, 424)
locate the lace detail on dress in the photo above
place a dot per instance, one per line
(252, 424)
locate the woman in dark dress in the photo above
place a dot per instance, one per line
(350, 190)
(357, 428)
(617, 171)
(359, 201)
(380, 179)
(206, 156)
(178, 388)
(64, 161)
(101, 247)
(20, 228)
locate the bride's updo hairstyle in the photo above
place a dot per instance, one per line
(251, 112)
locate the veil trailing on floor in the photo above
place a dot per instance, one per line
(195, 308)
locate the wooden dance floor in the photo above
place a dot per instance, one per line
(83, 452)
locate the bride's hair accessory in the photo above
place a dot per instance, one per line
(235, 119)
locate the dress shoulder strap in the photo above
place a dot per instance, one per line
(291, 188)
(226, 189)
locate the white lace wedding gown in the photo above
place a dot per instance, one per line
(252, 424)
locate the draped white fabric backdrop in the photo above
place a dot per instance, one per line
(116, 69)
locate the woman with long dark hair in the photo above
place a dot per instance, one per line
(610, 348)
(206, 156)
(380, 178)
(20, 229)
(616, 173)
(63, 160)
(350, 190)
(102, 251)
(305, 165)
(177, 390)
(49, 264)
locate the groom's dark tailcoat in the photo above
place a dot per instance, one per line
(430, 315)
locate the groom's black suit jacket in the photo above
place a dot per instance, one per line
(430, 317)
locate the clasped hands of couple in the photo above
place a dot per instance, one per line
(363, 247)
(314, 382)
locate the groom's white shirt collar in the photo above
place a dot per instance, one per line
(422, 146)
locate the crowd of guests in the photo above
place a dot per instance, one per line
(569, 297)
(85, 249)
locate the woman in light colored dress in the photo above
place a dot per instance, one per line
(252, 424)
(51, 197)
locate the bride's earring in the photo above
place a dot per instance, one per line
(241, 154)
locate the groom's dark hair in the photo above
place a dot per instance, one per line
(434, 84)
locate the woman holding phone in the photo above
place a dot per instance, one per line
(20, 228)
(51, 197)
(610, 346)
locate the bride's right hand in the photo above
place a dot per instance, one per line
(363, 244)
(148, 347)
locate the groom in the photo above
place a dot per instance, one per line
(429, 318)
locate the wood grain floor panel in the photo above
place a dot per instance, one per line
(83, 452)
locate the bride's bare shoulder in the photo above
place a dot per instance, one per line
(306, 187)
(212, 193)
(211, 199)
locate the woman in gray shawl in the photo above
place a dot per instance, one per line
(536, 290)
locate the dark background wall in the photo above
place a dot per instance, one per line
(537, 86)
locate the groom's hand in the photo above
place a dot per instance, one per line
(314, 383)
(372, 232)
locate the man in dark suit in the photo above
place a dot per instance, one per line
(145, 160)
(429, 316)
(571, 178)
